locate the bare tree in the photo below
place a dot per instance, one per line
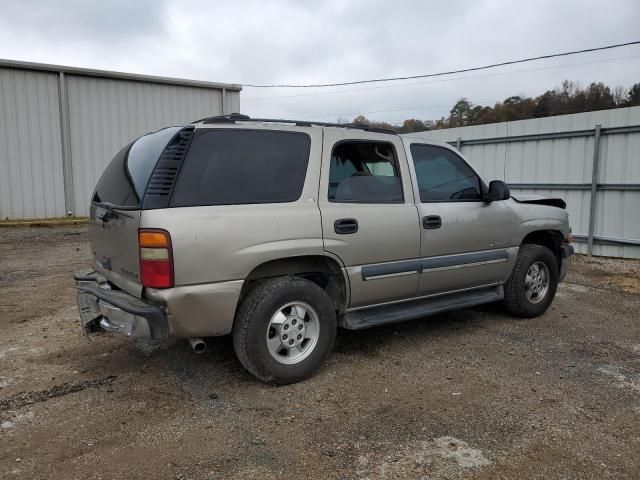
(620, 96)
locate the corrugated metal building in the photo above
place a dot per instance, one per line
(555, 156)
(60, 126)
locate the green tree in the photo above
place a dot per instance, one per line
(484, 115)
(597, 96)
(544, 104)
(633, 97)
(413, 125)
(460, 115)
(362, 120)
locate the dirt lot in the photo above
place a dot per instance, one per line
(474, 394)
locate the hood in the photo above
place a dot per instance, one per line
(540, 200)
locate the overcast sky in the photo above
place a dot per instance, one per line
(332, 41)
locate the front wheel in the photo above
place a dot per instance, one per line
(533, 282)
(284, 329)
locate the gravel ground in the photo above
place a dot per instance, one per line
(473, 394)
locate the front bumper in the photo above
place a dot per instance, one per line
(103, 308)
(566, 251)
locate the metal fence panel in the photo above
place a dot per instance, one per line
(515, 152)
(31, 182)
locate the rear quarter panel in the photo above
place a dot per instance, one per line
(225, 242)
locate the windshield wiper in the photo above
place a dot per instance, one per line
(113, 211)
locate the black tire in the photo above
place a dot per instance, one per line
(515, 298)
(252, 322)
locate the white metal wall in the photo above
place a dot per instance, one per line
(107, 114)
(566, 161)
(31, 181)
(60, 126)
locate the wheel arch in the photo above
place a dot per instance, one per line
(551, 239)
(322, 270)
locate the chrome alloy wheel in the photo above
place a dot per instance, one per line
(536, 282)
(293, 333)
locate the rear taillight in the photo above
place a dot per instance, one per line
(156, 258)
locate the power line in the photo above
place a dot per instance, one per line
(463, 70)
(467, 77)
(419, 108)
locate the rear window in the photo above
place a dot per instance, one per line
(230, 167)
(125, 179)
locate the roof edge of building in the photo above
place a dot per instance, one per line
(136, 77)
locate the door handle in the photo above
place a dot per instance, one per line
(345, 226)
(431, 222)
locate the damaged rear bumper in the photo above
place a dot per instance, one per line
(103, 308)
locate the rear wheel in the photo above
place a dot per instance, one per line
(284, 329)
(533, 282)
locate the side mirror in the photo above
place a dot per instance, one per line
(498, 190)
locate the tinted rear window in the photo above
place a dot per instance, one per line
(114, 185)
(144, 155)
(125, 179)
(229, 167)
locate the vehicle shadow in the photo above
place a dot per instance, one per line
(371, 341)
(113, 355)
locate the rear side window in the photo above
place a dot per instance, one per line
(443, 176)
(125, 179)
(115, 185)
(364, 172)
(144, 155)
(230, 167)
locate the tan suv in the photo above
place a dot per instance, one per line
(278, 232)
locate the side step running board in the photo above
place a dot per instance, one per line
(399, 312)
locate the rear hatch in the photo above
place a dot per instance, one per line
(114, 216)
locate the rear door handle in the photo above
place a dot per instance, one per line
(431, 222)
(345, 226)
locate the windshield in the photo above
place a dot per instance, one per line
(125, 179)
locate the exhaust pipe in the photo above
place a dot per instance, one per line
(198, 345)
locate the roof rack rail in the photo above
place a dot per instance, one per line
(229, 118)
(238, 117)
